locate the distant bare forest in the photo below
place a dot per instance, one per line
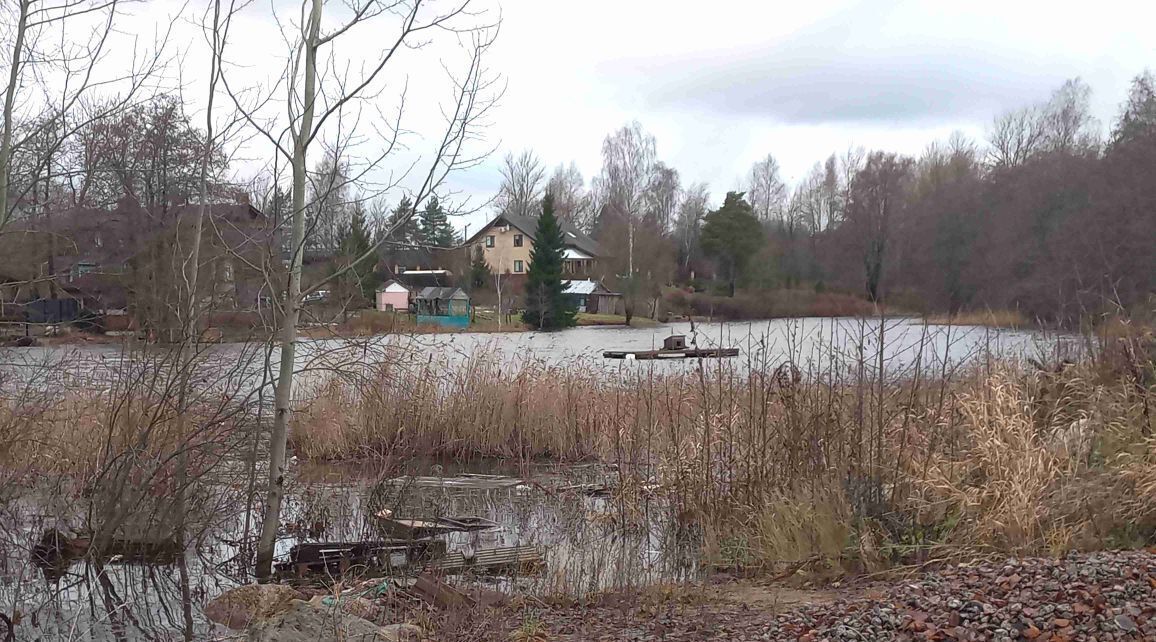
(1054, 215)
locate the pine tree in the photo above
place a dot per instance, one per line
(407, 233)
(436, 230)
(479, 270)
(360, 283)
(547, 308)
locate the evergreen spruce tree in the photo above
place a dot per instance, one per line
(359, 284)
(479, 270)
(408, 232)
(547, 308)
(436, 230)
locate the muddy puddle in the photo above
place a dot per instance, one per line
(587, 538)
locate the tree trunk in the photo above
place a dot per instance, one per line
(283, 395)
(9, 98)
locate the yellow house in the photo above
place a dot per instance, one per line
(506, 242)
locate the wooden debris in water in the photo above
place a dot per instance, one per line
(436, 592)
(690, 353)
(464, 482)
(430, 526)
(335, 558)
(508, 559)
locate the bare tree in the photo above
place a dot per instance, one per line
(317, 100)
(55, 56)
(523, 183)
(766, 190)
(662, 197)
(571, 200)
(1015, 136)
(691, 211)
(1067, 119)
(628, 167)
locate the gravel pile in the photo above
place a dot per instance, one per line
(1095, 596)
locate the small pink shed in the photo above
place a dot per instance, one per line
(393, 296)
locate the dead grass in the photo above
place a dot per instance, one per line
(771, 304)
(1011, 319)
(1005, 457)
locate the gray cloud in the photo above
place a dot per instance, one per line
(847, 69)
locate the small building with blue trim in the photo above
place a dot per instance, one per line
(448, 307)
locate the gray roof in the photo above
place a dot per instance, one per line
(585, 286)
(443, 294)
(528, 225)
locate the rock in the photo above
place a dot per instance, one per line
(1125, 623)
(238, 608)
(405, 632)
(305, 622)
(358, 606)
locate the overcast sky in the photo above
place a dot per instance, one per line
(722, 84)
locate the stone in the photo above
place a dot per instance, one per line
(305, 622)
(238, 608)
(405, 632)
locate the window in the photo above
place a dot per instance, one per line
(80, 269)
(517, 240)
(490, 241)
(517, 267)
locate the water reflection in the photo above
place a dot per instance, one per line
(589, 544)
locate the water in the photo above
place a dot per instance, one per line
(590, 544)
(813, 344)
(585, 547)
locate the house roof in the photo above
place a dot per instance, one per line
(574, 254)
(443, 294)
(584, 287)
(528, 225)
(393, 286)
(418, 279)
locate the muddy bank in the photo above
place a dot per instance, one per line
(1087, 596)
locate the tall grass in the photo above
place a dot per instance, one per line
(777, 465)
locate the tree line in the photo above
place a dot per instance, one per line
(1048, 216)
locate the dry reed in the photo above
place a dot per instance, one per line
(776, 468)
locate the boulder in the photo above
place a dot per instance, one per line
(305, 622)
(244, 606)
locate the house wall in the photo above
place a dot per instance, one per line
(501, 257)
(399, 300)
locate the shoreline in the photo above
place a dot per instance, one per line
(993, 320)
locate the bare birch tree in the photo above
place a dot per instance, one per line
(571, 200)
(316, 104)
(766, 190)
(523, 183)
(628, 166)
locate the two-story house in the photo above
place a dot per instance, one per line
(507, 240)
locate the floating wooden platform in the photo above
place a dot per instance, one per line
(689, 353)
(510, 559)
